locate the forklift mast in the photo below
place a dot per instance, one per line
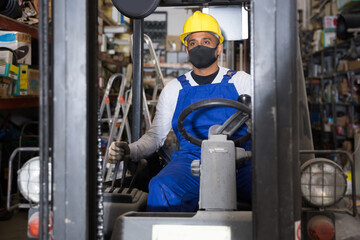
(77, 192)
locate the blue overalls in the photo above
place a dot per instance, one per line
(175, 189)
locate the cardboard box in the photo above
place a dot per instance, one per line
(329, 22)
(343, 4)
(316, 40)
(342, 121)
(348, 65)
(9, 70)
(343, 87)
(20, 43)
(6, 56)
(342, 65)
(27, 82)
(5, 87)
(353, 64)
(33, 82)
(23, 77)
(328, 37)
(330, 8)
(173, 43)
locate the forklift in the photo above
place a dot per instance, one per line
(281, 136)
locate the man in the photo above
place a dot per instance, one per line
(174, 188)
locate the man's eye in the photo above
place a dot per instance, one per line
(206, 42)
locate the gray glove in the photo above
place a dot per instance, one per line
(117, 151)
(248, 123)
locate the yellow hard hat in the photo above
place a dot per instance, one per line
(201, 22)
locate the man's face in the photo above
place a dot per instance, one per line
(202, 38)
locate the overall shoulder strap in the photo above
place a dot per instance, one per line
(228, 76)
(183, 81)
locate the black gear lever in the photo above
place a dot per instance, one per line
(245, 99)
(114, 177)
(141, 165)
(125, 167)
(237, 119)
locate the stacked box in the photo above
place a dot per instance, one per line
(330, 22)
(6, 56)
(33, 82)
(19, 43)
(5, 87)
(27, 82)
(328, 37)
(20, 79)
(21, 83)
(343, 4)
(9, 70)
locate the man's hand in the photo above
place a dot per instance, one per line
(117, 151)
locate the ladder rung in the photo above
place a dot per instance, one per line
(152, 102)
(119, 120)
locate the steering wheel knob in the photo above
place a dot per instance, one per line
(244, 99)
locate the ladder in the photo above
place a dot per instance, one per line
(124, 102)
(113, 119)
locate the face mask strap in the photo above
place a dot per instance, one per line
(216, 49)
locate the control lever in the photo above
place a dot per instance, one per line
(246, 99)
(237, 119)
(141, 165)
(126, 164)
(114, 177)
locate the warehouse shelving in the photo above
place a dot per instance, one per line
(10, 24)
(329, 109)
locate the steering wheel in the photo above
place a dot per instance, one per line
(244, 112)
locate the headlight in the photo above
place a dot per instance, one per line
(29, 180)
(323, 182)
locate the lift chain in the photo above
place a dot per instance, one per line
(100, 197)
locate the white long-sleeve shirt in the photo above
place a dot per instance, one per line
(161, 124)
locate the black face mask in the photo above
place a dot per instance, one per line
(202, 57)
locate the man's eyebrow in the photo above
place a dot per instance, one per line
(205, 38)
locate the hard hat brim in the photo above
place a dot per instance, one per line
(184, 35)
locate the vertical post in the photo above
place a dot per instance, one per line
(138, 45)
(230, 51)
(276, 210)
(75, 103)
(93, 197)
(44, 112)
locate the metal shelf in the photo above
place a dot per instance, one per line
(337, 74)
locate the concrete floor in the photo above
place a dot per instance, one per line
(16, 227)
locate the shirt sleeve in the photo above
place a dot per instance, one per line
(161, 124)
(242, 82)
